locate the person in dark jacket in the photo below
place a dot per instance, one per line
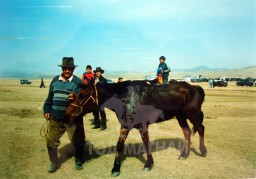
(61, 90)
(99, 80)
(163, 71)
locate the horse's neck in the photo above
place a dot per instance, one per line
(119, 111)
(108, 91)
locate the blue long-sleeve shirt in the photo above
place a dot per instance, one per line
(57, 100)
(163, 69)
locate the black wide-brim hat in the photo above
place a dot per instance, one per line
(68, 62)
(98, 69)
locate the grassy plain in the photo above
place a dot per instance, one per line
(230, 138)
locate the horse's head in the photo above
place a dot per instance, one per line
(84, 102)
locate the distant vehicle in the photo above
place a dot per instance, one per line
(233, 79)
(223, 78)
(189, 78)
(204, 79)
(25, 82)
(246, 82)
(149, 78)
(220, 83)
(109, 81)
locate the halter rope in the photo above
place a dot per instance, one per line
(44, 129)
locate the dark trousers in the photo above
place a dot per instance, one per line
(57, 129)
(97, 114)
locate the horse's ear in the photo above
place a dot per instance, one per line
(72, 96)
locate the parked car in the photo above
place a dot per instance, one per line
(245, 82)
(204, 79)
(220, 83)
(149, 78)
(25, 82)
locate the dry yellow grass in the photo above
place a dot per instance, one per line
(230, 139)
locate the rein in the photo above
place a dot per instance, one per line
(44, 129)
(95, 100)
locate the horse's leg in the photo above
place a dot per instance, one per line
(187, 134)
(197, 121)
(201, 135)
(117, 164)
(145, 139)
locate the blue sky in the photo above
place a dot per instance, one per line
(121, 35)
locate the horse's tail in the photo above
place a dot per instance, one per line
(201, 92)
(201, 119)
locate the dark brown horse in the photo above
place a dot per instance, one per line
(160, 103)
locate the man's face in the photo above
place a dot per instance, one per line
(98, 73)
(67, 72)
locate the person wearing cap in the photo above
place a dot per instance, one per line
(88, 75)
(59, 97)
(163, 71)
(99, 80)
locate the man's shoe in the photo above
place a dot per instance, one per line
(53, 167)
(79, 165)
(103, 128)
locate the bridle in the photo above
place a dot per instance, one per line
(95, 100)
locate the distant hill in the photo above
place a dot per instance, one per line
(25, 75)
(250, 67)
(205, 71)
(249, 71)
(199, 68)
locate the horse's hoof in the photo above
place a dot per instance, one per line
(182, 157)
(116, 170)
(147, 169)
(115, 174)
(203, 152)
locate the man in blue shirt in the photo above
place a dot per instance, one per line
(55, 106)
